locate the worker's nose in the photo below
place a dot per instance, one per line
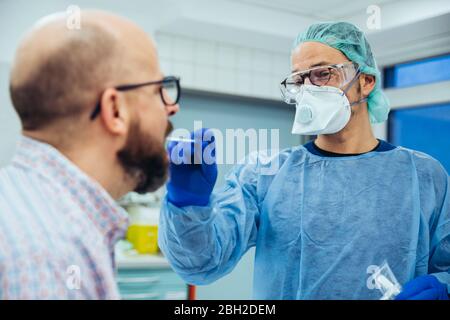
(172, 110)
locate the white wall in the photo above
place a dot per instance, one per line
(223, 67)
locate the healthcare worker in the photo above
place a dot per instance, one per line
(336, 208)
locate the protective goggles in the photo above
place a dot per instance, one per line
(335, 75)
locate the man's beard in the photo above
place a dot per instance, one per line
(144, 159)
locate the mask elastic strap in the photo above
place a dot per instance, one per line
(350, 84)
(358, 102)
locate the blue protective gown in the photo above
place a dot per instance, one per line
(319, 224)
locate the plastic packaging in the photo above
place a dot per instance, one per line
(386, 282)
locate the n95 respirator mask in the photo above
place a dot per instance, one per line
(320, 110)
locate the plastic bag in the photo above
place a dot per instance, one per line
(386, 282)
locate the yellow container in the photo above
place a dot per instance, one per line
(143, 229)
(143, 237)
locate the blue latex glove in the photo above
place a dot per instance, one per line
(424, 288)
(193, 171)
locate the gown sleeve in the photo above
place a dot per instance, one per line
(203, 244)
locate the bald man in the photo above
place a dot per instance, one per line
(94, 108)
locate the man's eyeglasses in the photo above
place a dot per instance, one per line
(337, 75)
(170, 91)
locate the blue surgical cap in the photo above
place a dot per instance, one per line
(352, 42)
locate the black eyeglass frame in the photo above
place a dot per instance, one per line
(127, 87)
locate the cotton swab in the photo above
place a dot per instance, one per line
(176, 139)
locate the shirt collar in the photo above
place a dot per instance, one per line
(46, 161)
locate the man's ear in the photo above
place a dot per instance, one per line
(114, 114)
(367, 83)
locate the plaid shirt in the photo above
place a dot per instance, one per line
(58, 228)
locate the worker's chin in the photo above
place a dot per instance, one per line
(332, 134)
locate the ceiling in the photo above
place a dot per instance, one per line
(409, 28)
(323, 10)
